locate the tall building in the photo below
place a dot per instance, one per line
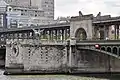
(13, 16)
(36, 3)
(26, 12)
(19, 2)
(46, 5)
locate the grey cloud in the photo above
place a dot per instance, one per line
(112, 3)
(66, 5)
(87, 6)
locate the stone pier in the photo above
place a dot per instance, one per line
(28, 56)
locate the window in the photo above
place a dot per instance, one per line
(35, 15)
(10, 9)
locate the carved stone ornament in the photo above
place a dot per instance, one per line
(15, 49)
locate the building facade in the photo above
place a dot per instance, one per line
(46, 5)
(18, 2)
(22, 16)
(36, 3)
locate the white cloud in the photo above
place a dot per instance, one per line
(72, 7)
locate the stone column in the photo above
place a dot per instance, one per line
(72, 59)
(117, 32)
(68, 34)
(61, 35)
(64, 34)
(110, 32)
(96, 33)
(52, 35)
(105, 32)
(48, 35)
(70, 56)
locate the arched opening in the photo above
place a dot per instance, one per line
(81, 34)
(115, 50)
(108, 49)
(103, 48)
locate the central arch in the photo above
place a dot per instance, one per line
(81, 34)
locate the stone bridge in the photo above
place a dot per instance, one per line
(86, 44)
(26, 56)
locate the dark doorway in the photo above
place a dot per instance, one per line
(103, 48)
(109, 49)
(115, 50)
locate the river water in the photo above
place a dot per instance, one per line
(50, 77)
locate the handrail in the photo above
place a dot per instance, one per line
(101, 42)
(105, 52)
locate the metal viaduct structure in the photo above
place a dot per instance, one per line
(86, 44)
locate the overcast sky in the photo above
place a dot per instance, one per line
(72, 7)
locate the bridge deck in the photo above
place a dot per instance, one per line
(36, 27)
(101, 42)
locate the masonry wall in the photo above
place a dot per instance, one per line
(91, 61)
(35, 57)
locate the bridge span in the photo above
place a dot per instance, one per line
(86, 44)
(110, 47)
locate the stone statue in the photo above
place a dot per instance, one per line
(37, 34)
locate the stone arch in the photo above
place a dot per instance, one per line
(115, 50)
(81, 34)
(109, 49)
(103, 48)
